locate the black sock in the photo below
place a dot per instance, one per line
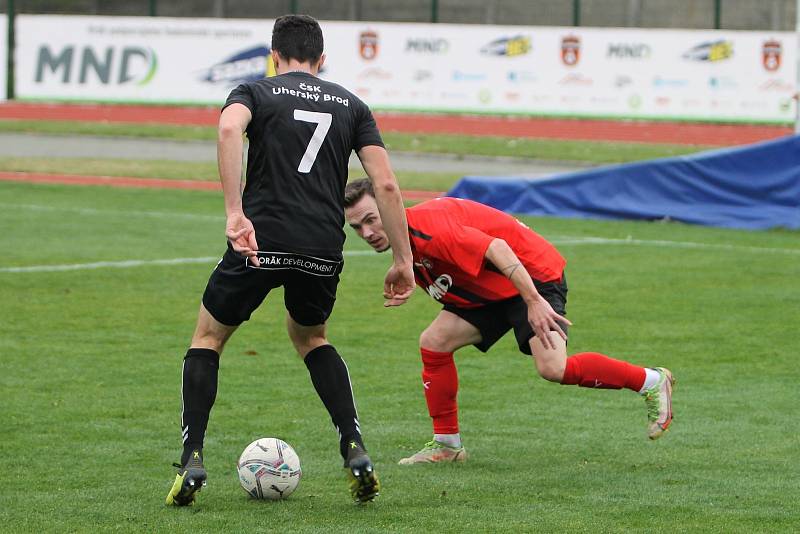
(332, 382)
(199, 390)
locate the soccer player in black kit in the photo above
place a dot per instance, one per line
(286, 229)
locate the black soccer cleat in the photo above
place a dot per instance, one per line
(362, 479)
(190, 479)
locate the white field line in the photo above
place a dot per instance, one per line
(562, 240)
(557, 240)
(588, 240)
(134, 263)
(121, 213)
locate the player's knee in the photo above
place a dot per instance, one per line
(305, 341)
(208, 340)
(552, 371)
(434, 340)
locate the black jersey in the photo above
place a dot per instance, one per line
(301, 135)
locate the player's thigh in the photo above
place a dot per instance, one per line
(236, 289)
(516, 312)
(448, 332)
(210, 333)
(309, 298)
(309, 301)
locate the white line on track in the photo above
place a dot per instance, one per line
(562, 240)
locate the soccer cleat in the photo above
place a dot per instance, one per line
(659, 404)
(362, 480)
(190, 479)
(435, 452)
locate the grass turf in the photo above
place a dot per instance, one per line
(91, 376)
(545, 149)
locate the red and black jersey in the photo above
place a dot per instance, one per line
(449, 238)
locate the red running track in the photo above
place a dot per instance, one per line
(147, 183)
(594, 130)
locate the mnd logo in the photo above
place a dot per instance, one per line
(112, 65)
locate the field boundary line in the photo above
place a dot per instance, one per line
(123, 213)
(125, 264)
(561, 240)
(588, 240)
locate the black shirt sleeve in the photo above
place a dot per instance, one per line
(366, 133)
(242, 94)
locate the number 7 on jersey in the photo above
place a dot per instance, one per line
(323, 122)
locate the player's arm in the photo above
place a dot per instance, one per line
(399, 283)
(239, 230)
(541, 315)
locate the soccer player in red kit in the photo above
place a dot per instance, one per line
(493, 274)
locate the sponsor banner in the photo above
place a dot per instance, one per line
(153, 59)
(3, 57)
(625, 73)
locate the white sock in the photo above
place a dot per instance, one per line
(651, 379)
(451, 440)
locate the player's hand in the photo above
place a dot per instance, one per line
(398, 285)
(240, 232)
(543, 318)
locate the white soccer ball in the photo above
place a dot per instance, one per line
(269, 469)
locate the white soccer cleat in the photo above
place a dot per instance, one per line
(435, 452)
(659, 404)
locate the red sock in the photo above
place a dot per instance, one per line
(440, 380)
(594, 370)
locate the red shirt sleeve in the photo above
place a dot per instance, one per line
(463, 246)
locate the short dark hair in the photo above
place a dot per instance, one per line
(297, 37)
(355, 191)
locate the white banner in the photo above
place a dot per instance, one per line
(137, 59)
(3, 57)
(577, 72)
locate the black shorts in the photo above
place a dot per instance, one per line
(497, 318)
(236, 288)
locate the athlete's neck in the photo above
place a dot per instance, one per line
(295, 66)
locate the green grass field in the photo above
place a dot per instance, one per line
(91, 375)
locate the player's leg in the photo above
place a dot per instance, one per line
(200, 374)
(309, 302)
(331, 380)
(232, 293)
(447, 333)
(595, 370)
(198, 393)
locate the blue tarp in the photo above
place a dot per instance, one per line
(752, 187)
